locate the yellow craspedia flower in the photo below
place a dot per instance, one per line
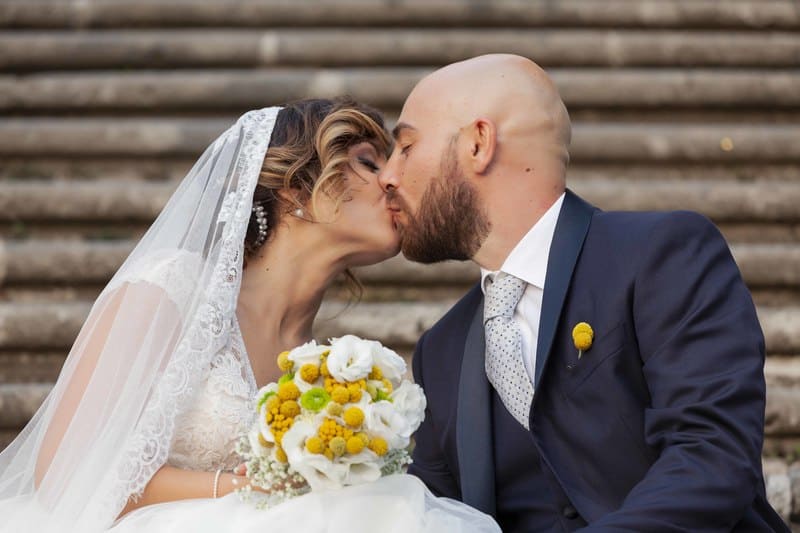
(273, 402)
(284, 363)
(290, 409)
(288, 391)
(353, 417)
(376, 373)
(338, 446)
(340, 394)
(328, 453)
(363, 436)
(335, 409)
(309, 372)
(315, 445)
(355, 392)
(582, 336)
(379, 446)
(355, 445)
(280, 455)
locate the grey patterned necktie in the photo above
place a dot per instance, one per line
(504, 366)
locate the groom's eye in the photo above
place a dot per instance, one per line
(405, 149)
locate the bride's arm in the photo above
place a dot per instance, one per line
(170, 484)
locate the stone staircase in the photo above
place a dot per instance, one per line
(689, 104)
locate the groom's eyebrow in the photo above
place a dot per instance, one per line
(400, 128)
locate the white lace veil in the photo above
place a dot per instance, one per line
(107, 425)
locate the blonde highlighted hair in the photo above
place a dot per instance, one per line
(308, 154)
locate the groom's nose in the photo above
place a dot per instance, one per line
(388, 176)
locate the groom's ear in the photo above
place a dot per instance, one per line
(482, 137)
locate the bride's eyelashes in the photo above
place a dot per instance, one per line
(369, 164)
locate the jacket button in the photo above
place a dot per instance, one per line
(569, 512)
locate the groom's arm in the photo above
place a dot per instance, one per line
(703, 356)
(429, 463)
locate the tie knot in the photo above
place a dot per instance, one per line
(502, 296)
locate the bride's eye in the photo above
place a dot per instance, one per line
(369, 164)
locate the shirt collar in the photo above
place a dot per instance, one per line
(528, 260)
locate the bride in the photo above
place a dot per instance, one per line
(138, 433)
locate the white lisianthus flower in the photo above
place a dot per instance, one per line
(350, 358)
(382, 419)
(255, 443)
(391, 365)
(310, 352)
(318, 471)
(409, 400)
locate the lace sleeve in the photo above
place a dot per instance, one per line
(176, 272)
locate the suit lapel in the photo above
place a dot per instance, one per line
(474, 422)
(571, 228)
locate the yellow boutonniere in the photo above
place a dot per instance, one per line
(582, 336)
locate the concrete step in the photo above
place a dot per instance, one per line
(592, 143)
(133, 200)
(98, 49)
(748, 14)
(45, 262)
(591, 88)
(26, 326)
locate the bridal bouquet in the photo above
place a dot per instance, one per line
(341, 414)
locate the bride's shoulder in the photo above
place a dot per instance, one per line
(173, 271)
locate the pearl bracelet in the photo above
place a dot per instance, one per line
(216, 484)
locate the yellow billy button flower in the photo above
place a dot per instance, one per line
(280, 455)
(309, 372)
(379, 446)
(582, 336)
(290, 409)
(340, 394)
(315, 445)
(335, 409)
(328, 453)
(288, 391)
(355, 392)
(338, 446)
(354, 417)
(376, 373)
(284, 363)
(355, 445)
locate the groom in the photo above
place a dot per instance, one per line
(607, 371)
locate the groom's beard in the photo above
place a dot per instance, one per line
(450, 223)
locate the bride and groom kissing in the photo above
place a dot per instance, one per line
(605, 374)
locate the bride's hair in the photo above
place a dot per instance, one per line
(307, 156)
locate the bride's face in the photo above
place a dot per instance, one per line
(363, 220)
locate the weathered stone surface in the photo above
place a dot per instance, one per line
(18, 402)
(357, 47)
(779, 493)
(782, 416)
(39, 325)
(741, 202)
(78, 262)
(592, 143)
(617, 13)
(384, 87)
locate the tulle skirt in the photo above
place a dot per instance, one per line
(393, 504)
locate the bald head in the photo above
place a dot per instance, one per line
(511, 91)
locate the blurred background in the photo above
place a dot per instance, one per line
(105, 104)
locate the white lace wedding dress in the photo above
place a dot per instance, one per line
(205, 437)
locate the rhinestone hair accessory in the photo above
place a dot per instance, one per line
(261, 220)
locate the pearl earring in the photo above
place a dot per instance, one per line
(299, 213)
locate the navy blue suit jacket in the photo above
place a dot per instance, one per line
(659, 425)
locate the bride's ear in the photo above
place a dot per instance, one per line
(482, 138)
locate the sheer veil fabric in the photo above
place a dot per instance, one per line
(106, 426)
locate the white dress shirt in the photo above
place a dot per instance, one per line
(528, 262)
